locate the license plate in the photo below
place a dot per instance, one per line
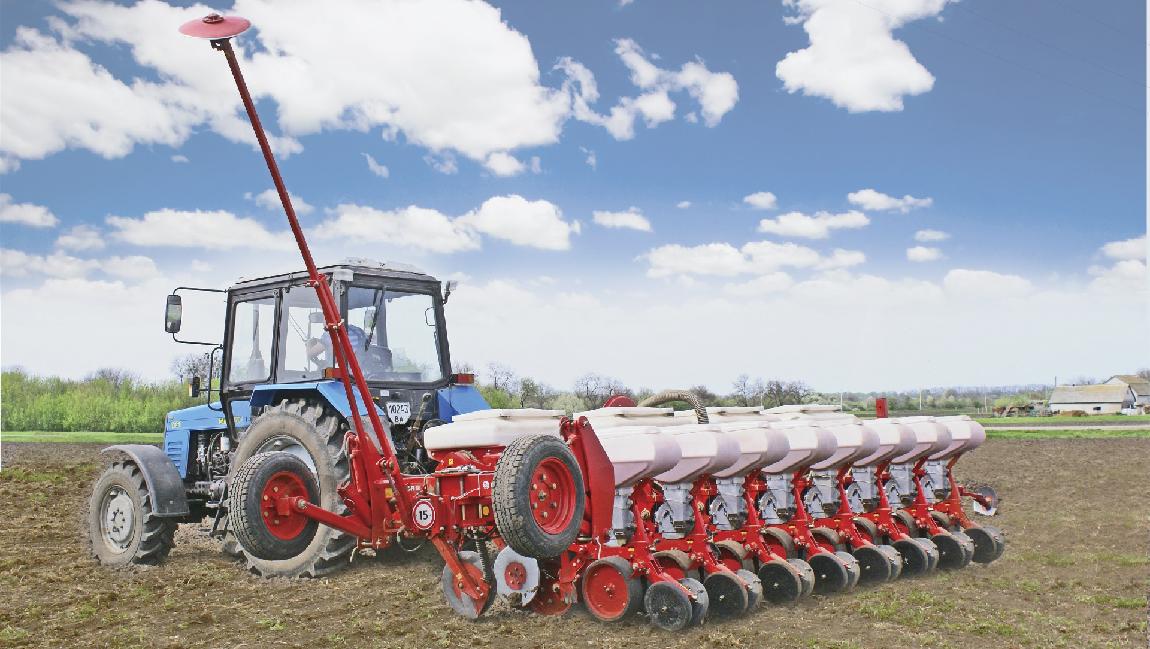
(398, 411)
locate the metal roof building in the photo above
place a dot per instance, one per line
(1139, 385)
(1104, 398)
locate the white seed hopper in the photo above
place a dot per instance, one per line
(492, 428)
(966, 434)
(930, 437)
(726, 414)
(759, 445)
(705, 449)
(854, 441)
(604, 418)
(806, 445)
(639, 452)
(894, 439)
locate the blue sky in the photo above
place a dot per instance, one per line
(1016, 128)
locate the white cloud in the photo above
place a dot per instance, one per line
(632, 219)
(180, 158)
(1127, 249)
(36, 216)
(412, 227)
(215, 229)
(928, 236)
(715, 92)
(80, 237)
(538, 224)
(591, 160)
(853, 59)
(444, 163)
(761, 200)
(374, 167)
(869, 199)
(755, 257)
(770, 283)
(1127, 277)
(269, 199)
(502, 163)
(819, 226)
(135, 267)
(536, 165)
(985, 284)
(450, 75)
(17, 263)
(683, 205)
(923, 253)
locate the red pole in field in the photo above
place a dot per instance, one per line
(880, 410)
(220, 30)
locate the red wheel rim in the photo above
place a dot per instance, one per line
(515, 575)
(823, 542)
(283, 484)
(552, 495)
(606, 591)
(774, 545)
(671, 567)
(730, 560)
(477, 575)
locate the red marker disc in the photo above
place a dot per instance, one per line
(215, 26)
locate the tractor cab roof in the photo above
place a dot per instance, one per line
(358, 267)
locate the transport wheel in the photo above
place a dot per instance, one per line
(905, 522)
(537, 496)
(264, 526)
(852, 565)
(828, 539)
(733, 555)
(754, 588)
(701, 602)
(610, 590)
(895, 560)
(457, 599)
(989, 542)
(726, 593)
(122, 526)
(874, 566)
(831, 575)
(950, 553)
(675, 563)
(868, 529)
(667, 606)
(806, 575)
(915, 561)
(967, 545)
(931, 552)
(314, 432)
(782, 582)
(780, 542)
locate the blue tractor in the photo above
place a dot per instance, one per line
(278, 391)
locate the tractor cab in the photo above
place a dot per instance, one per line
(276, 349)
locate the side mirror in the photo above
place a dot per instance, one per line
(194, 387)
(173, 314)
(448, 288)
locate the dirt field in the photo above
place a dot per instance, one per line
(1075, 574)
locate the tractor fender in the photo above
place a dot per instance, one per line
(165, 487)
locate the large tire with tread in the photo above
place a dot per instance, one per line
(538, 496)
(123, 528)
(254, 514)
(319, 430)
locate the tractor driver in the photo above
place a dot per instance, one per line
(375, 361)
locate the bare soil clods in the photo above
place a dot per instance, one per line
(1075, 574)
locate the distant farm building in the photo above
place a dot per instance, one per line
(1138, 385)
(1101, 399)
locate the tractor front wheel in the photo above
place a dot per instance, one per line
(122, 525)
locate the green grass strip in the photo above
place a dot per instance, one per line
(1068, 434)
(81, 437)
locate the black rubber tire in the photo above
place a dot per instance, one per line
(320, 430)
(781, 582)
(874, 565)
(754, 588)
(852, 566)
(152, 537)
(895, 560)
(784, 539)
(931, 553)
(633, 591)
(244, 510)
(945, 522)
(667, 606)
(987, 541)
(915, 561)
(726, 594)
(950, 553)
(967, 545)
(906, 518)
(511, 496)
(702, 602)
(869, 529)
(831, 574)
(806, 575)
(830, 536)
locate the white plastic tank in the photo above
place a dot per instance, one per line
(966, 434)
(806, 444)
(487, 428)
(705, 449)
(803, 408)
(894, 439)
(639, 452)
(759, 445)
(930, 437)
(614, 417)
(726, 414)
(854, 441)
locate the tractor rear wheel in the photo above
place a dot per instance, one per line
(122, 526)
(537, 496)
(313, 432)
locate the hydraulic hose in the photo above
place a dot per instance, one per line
(667, 396)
